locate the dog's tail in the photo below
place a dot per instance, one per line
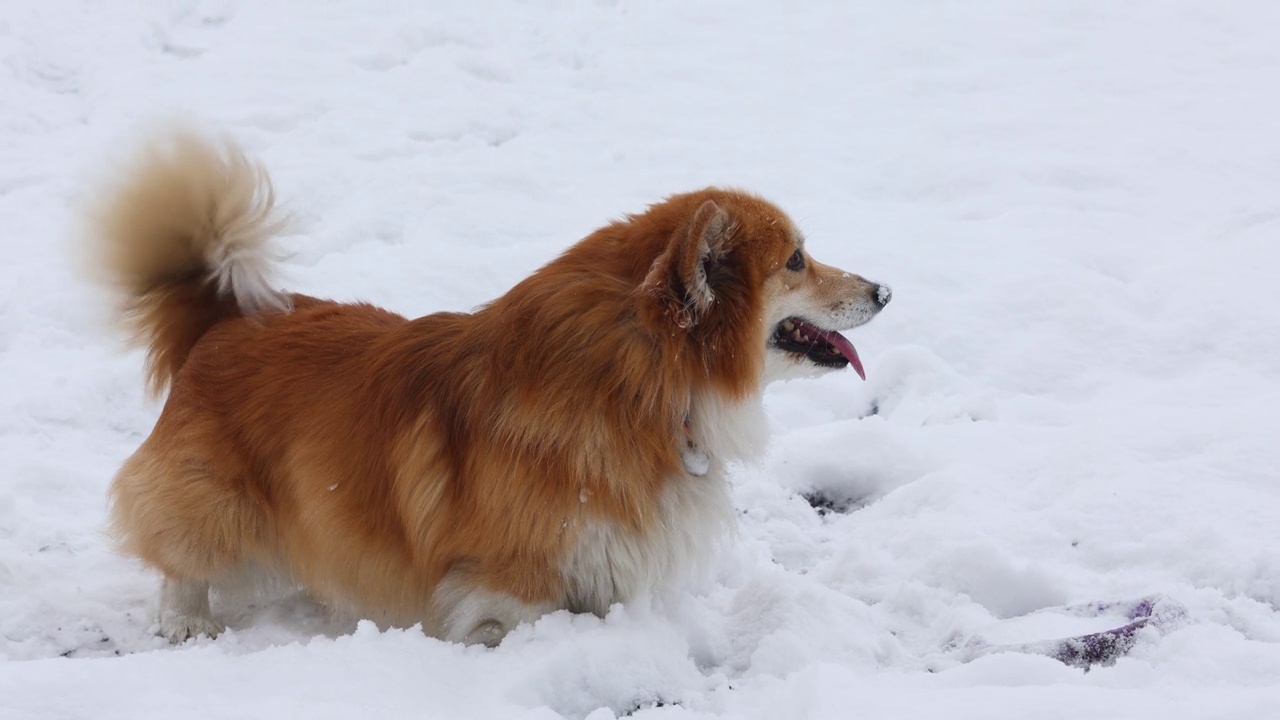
(183, 242)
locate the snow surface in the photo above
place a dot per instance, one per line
(1071, 398)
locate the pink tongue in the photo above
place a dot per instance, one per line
(846, 348)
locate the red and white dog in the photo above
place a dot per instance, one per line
(561, 447)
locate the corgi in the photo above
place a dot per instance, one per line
(562, 447)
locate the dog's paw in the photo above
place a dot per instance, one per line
(488, 633)
(696, 462)
(178, 628)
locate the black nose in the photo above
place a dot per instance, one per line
(883, 295)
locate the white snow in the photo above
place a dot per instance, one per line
(1072, 396)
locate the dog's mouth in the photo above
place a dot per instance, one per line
(825, 348)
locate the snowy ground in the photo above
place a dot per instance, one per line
(1072, 397)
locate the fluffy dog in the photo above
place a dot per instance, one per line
(561, 447)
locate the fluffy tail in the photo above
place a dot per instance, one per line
(183, 241)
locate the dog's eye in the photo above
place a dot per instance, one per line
(796, 262)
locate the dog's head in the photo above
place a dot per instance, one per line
(735, 275)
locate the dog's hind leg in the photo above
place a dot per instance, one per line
(184, 610)
(180, 504)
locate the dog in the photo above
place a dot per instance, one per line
(562, 447)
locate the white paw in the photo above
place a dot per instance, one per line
(696, 462)
(488, 633)
(178, 628)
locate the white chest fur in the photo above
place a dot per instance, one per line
(612, 564)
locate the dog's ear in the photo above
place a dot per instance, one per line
(683, 277)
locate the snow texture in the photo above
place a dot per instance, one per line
(1071, 399)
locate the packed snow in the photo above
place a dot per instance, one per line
(1071, 399)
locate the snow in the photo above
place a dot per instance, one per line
(1070, 399)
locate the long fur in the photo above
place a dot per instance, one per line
(466, 471)
(184, 242)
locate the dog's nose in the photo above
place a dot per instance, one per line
(883, 295)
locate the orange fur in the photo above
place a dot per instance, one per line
(377, 460)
